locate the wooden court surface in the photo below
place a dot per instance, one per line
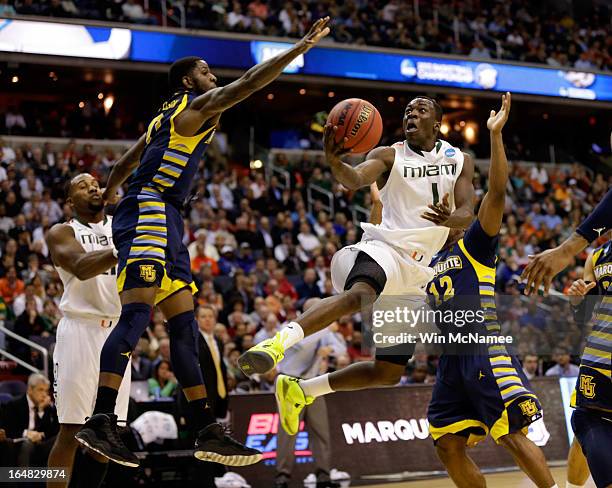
(511, 479)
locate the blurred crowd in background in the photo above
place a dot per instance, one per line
(548, 32)
(258, 251)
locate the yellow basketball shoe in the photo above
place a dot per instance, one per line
(290, 400)
(262, 357)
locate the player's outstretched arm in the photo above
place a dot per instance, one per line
(68, 254)
(491, 210)
(215, 101)
(378, 161)
(545, 266)
(123, 169)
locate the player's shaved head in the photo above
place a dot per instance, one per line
(179, 69)
(71, 185)
(437, 107)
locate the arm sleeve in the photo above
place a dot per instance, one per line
(480, 245)
(598, 221)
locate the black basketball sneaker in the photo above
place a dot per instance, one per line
(99, 434)
(214, 444)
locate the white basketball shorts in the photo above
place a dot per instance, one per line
(76, 367)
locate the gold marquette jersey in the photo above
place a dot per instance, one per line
(594, 385)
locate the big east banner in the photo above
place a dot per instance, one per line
(376, 434)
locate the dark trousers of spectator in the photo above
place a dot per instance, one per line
(317, 425)
(28, 453)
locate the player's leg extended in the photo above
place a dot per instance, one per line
(63, 451)
(100, 432)
(452, 451)
(577, 467)
(212, 443)
(265, 355)
(529, 458)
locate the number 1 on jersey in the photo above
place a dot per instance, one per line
(436, 196)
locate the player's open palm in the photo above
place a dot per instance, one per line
(497, 120)
(317, 32)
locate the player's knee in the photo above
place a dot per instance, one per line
(388, 374)
(512, 442)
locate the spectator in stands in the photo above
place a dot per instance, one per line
(142, 367)
(10, 285)
(530, 366)
(309, 288)
(163, 383)
(31, 418)
(563, 367)
(270, 327)
(6, 10)
(214, 370)
(164, 350)
(227, 262)
(133, 12)
(479, 51)
(19, 304)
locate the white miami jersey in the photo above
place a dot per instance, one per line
(416, 180)
(96, 297)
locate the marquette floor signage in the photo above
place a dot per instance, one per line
(385, 431)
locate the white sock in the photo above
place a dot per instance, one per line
(317, 386)
(291, 334)
(571, 485)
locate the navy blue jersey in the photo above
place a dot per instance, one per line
(594, 385)
(464, 279)
(169, 160)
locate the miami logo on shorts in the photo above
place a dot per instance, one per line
(528, 408)
(147, 272)
(587, 387)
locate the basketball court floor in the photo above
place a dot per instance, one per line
(511, 479)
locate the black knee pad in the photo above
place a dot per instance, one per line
(183, 332)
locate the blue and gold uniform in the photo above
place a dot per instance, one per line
(148, 226)
(592, 417)
(480, 388)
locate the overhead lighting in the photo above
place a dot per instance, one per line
(81, 104)
(100, 96)
(470, 133)
(444, 128)
(331, 94)
(257, 164)
(108, 103)
(270, 96)
(302, 91)
(462, 123)
(15, 79)
(391, 99)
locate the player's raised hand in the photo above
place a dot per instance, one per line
(440, 212)
(317, 32)
(333, 149)
(497, 120)
(579, 289)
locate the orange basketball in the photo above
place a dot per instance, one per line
(358, 121)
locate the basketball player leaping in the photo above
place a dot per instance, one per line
(85, 258)
(153, 262)
(415, 177)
